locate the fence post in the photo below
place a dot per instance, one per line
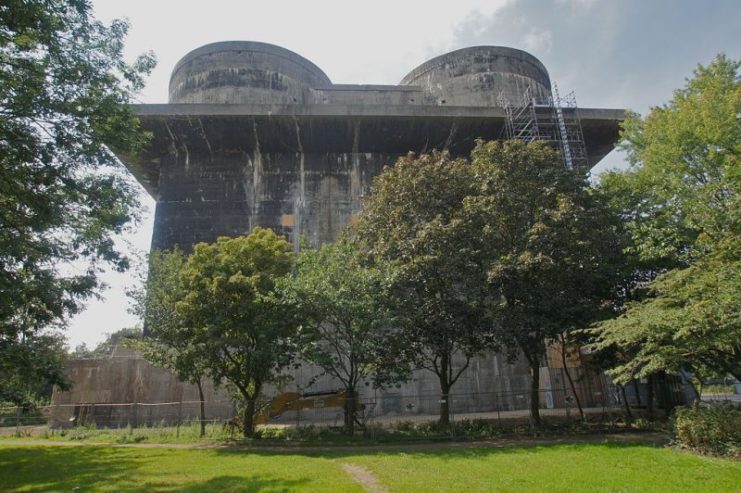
(18, 420)
(530, 421)
(180, 415)
(450, 415)
(499, 407)
(136, 418)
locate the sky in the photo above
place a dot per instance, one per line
(612, 54)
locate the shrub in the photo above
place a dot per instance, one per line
(711, 428)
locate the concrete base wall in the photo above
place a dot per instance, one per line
(111, 392)
(104, 392)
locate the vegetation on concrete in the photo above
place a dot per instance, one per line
(126, 337)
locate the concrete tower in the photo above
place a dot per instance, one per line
(256, 135)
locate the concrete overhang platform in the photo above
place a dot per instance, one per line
(203, 130)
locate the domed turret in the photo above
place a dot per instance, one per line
(475, 76)
(244, 72)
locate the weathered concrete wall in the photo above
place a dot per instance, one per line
(309, 195)
(256, 135)
(128, 391)
(476, 76)
(236, 72)
(110, 392)
(298, 152)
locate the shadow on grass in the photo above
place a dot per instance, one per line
(63, 468)
(37, 469)
(44, 468)
(252, 484)
(442, 450)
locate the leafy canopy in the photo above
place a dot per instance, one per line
(552, 247)
(64, 91)
(681, 195)
(414, 220)
(234, 315)
(681, 201)
(347, 324)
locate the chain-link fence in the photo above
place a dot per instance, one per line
(599, 398)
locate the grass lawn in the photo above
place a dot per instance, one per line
(566, 468)
(559, 467)
(90, 468)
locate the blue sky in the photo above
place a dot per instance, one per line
(619, 54)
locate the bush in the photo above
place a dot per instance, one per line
(713, 428)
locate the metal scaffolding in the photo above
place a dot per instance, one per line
(554, 120)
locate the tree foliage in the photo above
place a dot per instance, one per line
(692, 321)
(30, 367)
(414, 220)
(681, 202)
(680, 196)
(552, 249)
(507, 251)
(170, 343)
(234, 314)
(348, 327)
(64, 91)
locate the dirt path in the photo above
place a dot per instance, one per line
(659, 439)
(363, 476)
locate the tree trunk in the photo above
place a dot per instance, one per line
(667, 403)
(637, 391)
(650, 397)
(203, 407)
(350, 410)
(444, 392)
(628, 413)
(535, 391)
(568, 377)
(249, 417)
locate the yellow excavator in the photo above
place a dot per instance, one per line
(294, 401)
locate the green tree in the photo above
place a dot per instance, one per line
(348, 329)
(414, 219)
(692, 322)
(30, 367)
(170, 343)
(64, 95)
(680, 195)
(234, 314)
(680, 200)
(552, 248)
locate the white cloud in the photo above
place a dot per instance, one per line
(539, 40)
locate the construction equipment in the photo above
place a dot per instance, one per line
(295, 401)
